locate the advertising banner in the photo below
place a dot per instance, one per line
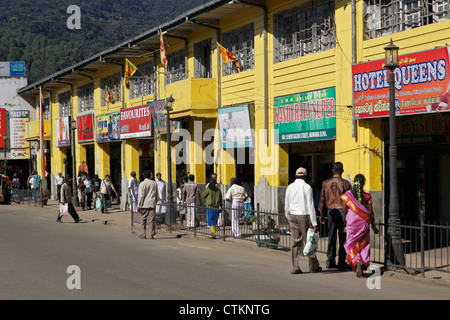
(12, 69)
(159, 117)
(85, 128)
(62, 129)
(108, 127)
(235, 127)
(135, 122)
(421, 85)
(18, 120)
(308, 116)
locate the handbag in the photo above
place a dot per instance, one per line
(311, 243)
(63, 209)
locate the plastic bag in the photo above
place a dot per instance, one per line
(63, 209)
(311, 243)
(98, 203)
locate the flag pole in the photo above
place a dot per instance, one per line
(41, 141)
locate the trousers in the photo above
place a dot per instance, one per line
(148, 216)
(236, 211)
(336, 227)
(72, 211)
(299, 225)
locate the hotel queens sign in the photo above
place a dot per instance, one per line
(421, 85)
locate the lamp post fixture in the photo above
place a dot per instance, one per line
(395, 254)
(74, 167)
(169, 206)
(5, 137)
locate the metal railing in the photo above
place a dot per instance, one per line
(425, 246)
(27, 196)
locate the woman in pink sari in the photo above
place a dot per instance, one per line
(359, 218)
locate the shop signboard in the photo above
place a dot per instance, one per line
(85, 128)
(235, 127)
(108, 127)
(308, 116)
(18, 120)
(12, 69)
(422, 85)
(62, 129)
(159, 117)
(135, 122)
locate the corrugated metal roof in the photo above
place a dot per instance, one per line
(208, 14)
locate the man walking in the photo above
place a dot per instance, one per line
(331, 203)
(66, 198)
(300, 212)
(190, 193)
(133, 191)
(147, 199)
(59, 180)
(237, 196)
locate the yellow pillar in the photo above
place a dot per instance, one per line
(102, 159)
(131, 161)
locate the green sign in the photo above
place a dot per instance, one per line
(307, 116)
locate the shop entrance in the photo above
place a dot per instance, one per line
(146, 158)
(90, 161)
(115, 165)
(245, 165)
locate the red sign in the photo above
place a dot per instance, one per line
(421, 85)
(135, 122)
(2, 127)
(85, 128)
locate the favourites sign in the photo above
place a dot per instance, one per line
(306, 116)
(135, 122)
(421, 85)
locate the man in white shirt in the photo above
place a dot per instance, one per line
(133, 191)
(59, 180)
(236, 195)
(161, 205)
(300, 212)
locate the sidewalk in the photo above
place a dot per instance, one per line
(122, 219)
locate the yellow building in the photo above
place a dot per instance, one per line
(294, 74)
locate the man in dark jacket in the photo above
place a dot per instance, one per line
(66, 199)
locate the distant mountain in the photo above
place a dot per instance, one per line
(36, 31)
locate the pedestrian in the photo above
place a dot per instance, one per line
(181, 207)
(332, 204)
(237, 196)
(96, 183)
(105, 191)
(147, 198)
(213, 197)
(299, 211)
(133, 191)
(161, 205)
(80, 190)
(66, 199)
(59, 180)
(359, 218)
(190, 195)
(88, 191)
(35, 185)
(248, 208)
(83, 168)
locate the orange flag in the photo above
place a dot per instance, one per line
(228, 56)
(162, 50)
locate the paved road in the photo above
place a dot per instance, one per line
(114, 264)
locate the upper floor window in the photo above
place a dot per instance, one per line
(86, 97)
(64, 104)
(47, 112)
(241, 42)
(142, 83)
(382, 17)
(113, 85)
(176, 66)
(202, 59)
(305, 29)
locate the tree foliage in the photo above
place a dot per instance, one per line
(36, 31)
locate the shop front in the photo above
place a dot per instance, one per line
(307, 123)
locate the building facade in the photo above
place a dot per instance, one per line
(288, 102)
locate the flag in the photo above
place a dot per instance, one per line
(228, 56)
(108, 100)
(162, 50)
(130, 69)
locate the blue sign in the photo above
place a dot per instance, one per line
(17, 69)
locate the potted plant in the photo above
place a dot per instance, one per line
(265, 229)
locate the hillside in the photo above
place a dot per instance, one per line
(36, 31)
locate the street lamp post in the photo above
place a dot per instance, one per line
(74, 169)
(169, 206)
(5, 137)
(394, 237)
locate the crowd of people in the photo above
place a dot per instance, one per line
(350, 215)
